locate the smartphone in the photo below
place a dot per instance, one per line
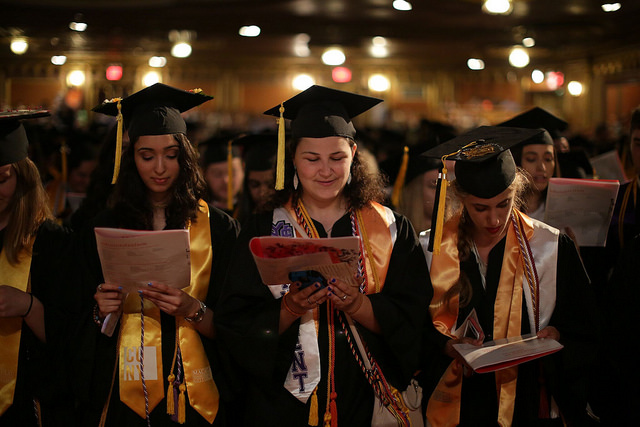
(307, 278)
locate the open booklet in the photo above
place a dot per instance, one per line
(500, 354)
(585, 205)
(276, 257)
(133, 258)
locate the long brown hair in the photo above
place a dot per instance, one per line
(131, 204)
(28, 209)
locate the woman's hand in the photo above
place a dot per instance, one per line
(109, 299)
(302, 300)
(172, 301)
(549, 332)
(13, 302)
(345, 297)
(450, 351)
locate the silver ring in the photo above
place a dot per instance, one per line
(343, 297)
(310, 303)
(100, 288)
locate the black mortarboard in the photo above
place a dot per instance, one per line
(538, 118)
(154, 110)
(484, 166)
(216, 149)
(14, 144)
(259, 150)
(318, 112)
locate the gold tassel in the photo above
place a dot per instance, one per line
(280, 160)
(399, 184)
(63, 155)
(181, 405)
(171, 408)
(116, 164)
(230, 176)
(313, 410)
(440, 216)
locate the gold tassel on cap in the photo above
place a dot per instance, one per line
(280, 160)
(116, 165)
(396, 195)
(443, 184)
(230, 176)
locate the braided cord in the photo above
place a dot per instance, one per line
(530, 271)
(144, 383)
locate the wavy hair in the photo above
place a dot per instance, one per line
(367, 185)
(132, 206)
(28, 209)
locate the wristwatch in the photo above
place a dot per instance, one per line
(199, 315)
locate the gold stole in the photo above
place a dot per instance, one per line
(443, 408)
(16, 276)
(373, 227)
(201, 389)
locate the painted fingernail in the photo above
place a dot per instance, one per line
(333, 280)
(329, 288)
(139, 291)
(119, 288)
(317, 285)
(149, 284)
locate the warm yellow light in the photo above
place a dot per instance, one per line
(19, 45)
(537, 76)
(249, 31)
(76, 78)
(181, 50)
(379, 83)
(58, 59)
(475, 64)
(402, 5)
(157, 61)
(333, 56)
(518, 57)
(302, 82)
(151, 78)
(611, 7)
(575, 88)
(528, 42)
(497, 7)
(379, 51)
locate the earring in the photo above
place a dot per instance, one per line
(349, 179)
(295, 180)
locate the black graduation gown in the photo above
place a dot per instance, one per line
(564, 372)
(98, 352)
(248, 316)
(42, 367)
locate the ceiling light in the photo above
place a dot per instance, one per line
(379, 83)
(378, 51)
(379, 41)
(19, 45)
(528, 42)
(402, 5)
(575, 88)
(301, 45)
(518, 57)
(537, 76)
(611, 7)
(302, 82)
(181, 50)
(497, 7)
(151, 78)
(78, 26)
(75, 78)
(249, 31)
(475, 64)
(157, 61)
(333, 56)
(58, 59)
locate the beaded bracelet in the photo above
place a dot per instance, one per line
(289, 309)
(30, 305)
(96, 316)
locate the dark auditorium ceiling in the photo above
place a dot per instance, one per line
(436, 34)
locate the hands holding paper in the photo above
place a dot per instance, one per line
(549, 332)
(109, 299)
(450, 351)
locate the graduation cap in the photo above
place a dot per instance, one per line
(155, 110)
(318, 112)
(484, 165)
(259, 150)
(538, 118)
(14, 144)
(412, 165)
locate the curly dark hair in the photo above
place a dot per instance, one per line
(131, 204)
(366, 185)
